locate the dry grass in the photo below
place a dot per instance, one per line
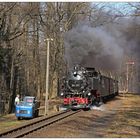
(9, 121)
(127, 120)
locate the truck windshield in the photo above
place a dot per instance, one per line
(28, 100)
(25, 104)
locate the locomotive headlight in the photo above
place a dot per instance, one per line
(62, 94)
(75, 73)
(84, 71)
(89, 94)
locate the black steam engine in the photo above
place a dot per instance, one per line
(84, 87)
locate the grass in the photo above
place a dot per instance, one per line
(11, 123)
(8, 124)
(8, 121)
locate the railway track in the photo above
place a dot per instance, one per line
(37, 124)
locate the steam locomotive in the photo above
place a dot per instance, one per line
(84, 87)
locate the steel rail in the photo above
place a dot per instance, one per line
(36, 125)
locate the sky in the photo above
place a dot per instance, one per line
(69, 0)
(123, 7)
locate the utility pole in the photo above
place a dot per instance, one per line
(47, 76)
(127, 73)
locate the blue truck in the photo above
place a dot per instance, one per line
(28, 108)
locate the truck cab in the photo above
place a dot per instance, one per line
(28, 108)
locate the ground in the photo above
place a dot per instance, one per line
(127, 120)
(118, 118)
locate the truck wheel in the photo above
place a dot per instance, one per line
(34, 115)
(18, 118)
(37, 112)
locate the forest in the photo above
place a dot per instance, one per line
(103, 35)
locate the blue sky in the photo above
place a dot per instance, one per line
(118, 7)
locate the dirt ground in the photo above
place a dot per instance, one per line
(126, 122)
(118, 118)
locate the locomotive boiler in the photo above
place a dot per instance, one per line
(83, 87)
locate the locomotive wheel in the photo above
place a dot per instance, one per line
(74, 109)
(86, 109)
(104, 100)
(93, 100)
(99, 101)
